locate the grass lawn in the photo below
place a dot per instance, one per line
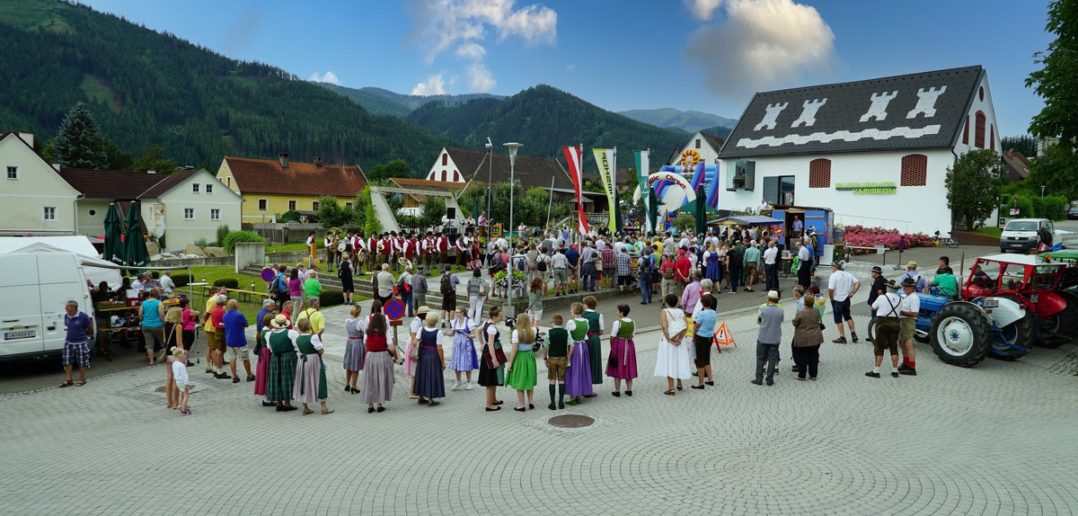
(249, 303)
(286, 248)
(989, 231)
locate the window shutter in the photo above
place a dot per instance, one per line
(820, 173)
(771, 189)
(914, 170)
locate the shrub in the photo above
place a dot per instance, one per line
(201, 242)
(331, 297)
(227, 283)
(289, 216)
(230, 241)
(861, 236)
(222, 233)
(181, 279)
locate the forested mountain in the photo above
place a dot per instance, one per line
(544, 119)
(689, 121)
(148, 88)
(384, 102)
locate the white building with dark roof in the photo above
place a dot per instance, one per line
(876, 152)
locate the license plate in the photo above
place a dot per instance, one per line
(16, 335)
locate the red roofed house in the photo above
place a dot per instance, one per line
(271, 187)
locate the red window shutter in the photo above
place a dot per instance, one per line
(965, 131)
(914, 170)
(820, 173)
(991, 137)
(978, 132)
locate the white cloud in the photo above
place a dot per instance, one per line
(434, 85)
(479, 78)
(761, 44)
(703, 9)
(467, 24)
(329, 77)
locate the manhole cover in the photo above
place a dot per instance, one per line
(571, 421)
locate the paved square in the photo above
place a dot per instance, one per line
(1001, 438)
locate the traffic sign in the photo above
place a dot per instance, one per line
(268, 274)
(394, 309)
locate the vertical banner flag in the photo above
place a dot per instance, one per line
(574, 161)
(604, 159)
(643, 164)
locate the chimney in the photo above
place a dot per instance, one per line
(283, 158)
(28, 138)
(318, 162)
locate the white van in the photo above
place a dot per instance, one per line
(35, 289)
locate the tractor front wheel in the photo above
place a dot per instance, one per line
(960, 334)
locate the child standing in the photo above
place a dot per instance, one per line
(179, 375)
(621, 365)
(464, 356)
(556, 358)
(521, 369)
(578, 372)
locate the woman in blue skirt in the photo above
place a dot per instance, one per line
(429, 382)
(578, 373)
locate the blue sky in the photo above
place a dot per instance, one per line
(708, 55)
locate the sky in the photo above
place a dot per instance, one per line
(705, 55)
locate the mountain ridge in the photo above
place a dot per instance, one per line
(690, 121)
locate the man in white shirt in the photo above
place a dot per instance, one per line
(560, 265)
(804, 270)
(138, 284)
(840, 288)
(167, 285)
(668, 246)
(911, 306)
(886, 308)
(771, 269)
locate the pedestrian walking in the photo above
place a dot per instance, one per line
(419, 286)
(310, 383)
(808, 336)
(152, 314)
(520, 371)
(477, 294)
(672, 359)
(448, 289)
(804, 267)
(429, 382)
(282, 370)
(767, 342)
(841, 287)
(492, 361)
(621, 363)
(464, 356)
(344, 273)
(78, 329)
(378, 364)
(751, 261)
(235, 325)
(355, 351)
(556, 354)
(181, 380)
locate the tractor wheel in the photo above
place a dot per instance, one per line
(1070, 315)
(960, 334)
(1051, 331)
(1018, 333)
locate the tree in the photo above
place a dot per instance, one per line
(1025, 144)
(331, 214)
(395, 168)
(1056, 171)
(153, 158)
(433, 209)
(1057, 81)
(686, 222)
(79, 144)
(973, 186)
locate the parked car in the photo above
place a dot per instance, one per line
(1024, 234)
(1072, 213)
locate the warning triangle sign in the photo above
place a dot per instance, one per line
(723, 336)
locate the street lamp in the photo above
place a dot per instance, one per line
(489, 195)
(1042, 190)
(513, 147)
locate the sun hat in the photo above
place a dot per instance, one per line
(839, 265)
(423, 309)
(279, 321)
(911, 264)
(772, 294)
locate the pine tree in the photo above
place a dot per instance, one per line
(79, 144)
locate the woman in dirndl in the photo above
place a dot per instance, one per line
(354, 350)
(429, 380)
(711, 263)
(264, 357)
(378, 364)
(310, 384)
(578, 372)
(492, 361)
(521, 375)
(621, 365)
(282, 366)
(464, 357)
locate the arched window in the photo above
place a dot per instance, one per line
(965, 131)
(914, 170)
(456, 176)
(991, 137)
(445, 159)
(978, 131)
(820, 173)
(444, 175)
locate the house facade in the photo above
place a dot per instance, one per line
(270, 188)
(876, 152)
(34, 199)
(701, 147)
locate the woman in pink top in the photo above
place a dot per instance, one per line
(295, 290)
(188, 321)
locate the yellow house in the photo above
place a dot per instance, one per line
(271, 187)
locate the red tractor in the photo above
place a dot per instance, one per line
(1031, 282)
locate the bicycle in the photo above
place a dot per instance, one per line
(941, 241)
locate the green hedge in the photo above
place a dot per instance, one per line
(331, 297)
(234, 237)
(182, 279)
(1053, 207)
(227, 282)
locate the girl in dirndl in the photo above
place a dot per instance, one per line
(578, 373)
(621, 365)
(521, 370)
(310, 383)
(354, 349)
(492, 361)
(464, 358)
(429, 382)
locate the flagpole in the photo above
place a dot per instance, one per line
(549, 203)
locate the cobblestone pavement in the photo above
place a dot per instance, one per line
(995, 439)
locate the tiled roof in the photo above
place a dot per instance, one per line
(169, 182)
(714, 141)
(407, 182)
(111, 184)
(266, 176)
(530, 171)
(916, 111)
(1017, 165)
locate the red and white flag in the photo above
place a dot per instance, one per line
(573, 157)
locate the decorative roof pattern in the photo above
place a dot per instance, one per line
(916, 111)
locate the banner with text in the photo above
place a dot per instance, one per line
(604, 159)
(643, 167)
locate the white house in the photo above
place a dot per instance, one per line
(876, 151)
(34, 199)
(701, 147)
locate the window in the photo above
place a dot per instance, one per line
(291, 205)
(914, 170)
(262, 205)
(980, 93)
(215, 214)
(978, 130)
(314, 205)
(209, 189)
(93, 213)
(50, 213)
(456, 176)
(228, 182)
(443, 176)
(991, 137)
(194, 187)
(697, 143)
(348, 205)
(188, 214)
(965, 131)
(445, 159)
(820, 173)
(13, 173)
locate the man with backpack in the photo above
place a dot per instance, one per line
(478, 289)
(404, 289)
(448, 289)
(646, 266)
(278, 288)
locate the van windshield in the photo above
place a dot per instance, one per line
(1021, 225)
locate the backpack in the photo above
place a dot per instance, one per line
(275, 286)
(668, 272)
(447, 285)
(404, 287)
(541, 263)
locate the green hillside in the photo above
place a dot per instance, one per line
(689, 121)
(384, 102)
(148, 88)
(545, 119)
